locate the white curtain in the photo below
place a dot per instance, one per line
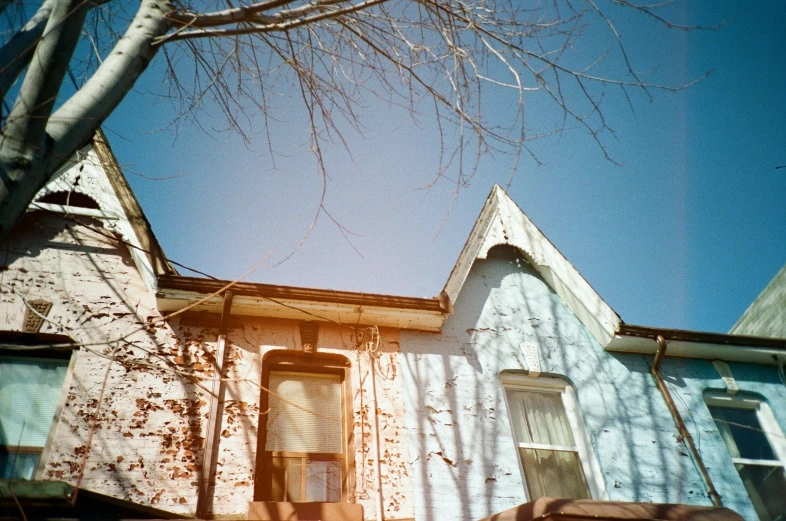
(539, 417)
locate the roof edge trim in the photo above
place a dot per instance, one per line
(502, 222)
(698, 344)
(271, 301)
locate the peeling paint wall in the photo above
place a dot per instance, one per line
(143, 440)
(464, 457)
(140, 449)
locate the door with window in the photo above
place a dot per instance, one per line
(305, 434)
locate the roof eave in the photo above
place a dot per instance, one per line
(699, 345)
(176, 292)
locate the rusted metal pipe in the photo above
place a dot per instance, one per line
(675, 414)
(371, 350)
(207, 477)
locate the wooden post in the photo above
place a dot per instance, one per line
(207, 476)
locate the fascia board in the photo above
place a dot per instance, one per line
(502, 222)
(471, 249)
(700, 350)
(343, 313)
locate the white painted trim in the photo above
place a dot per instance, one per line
(769, 424)
(759, 462)
(587, 456)
(174, 300)
(40, 468)
(700, 350)
(73, 210)
(502, 222)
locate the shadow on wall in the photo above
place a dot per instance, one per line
(465, 460)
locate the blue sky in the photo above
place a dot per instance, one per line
(684, 234)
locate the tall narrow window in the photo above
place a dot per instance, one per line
(757, 448)
(552, 444)
(304, 456)
(29, 394)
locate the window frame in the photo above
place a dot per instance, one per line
(769, 425)
(314, 363)
(583, 446)
(37, 352)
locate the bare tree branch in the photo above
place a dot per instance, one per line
(27, 120)
(17, 52)
(442, 59)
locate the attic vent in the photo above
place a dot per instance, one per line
(70, 199)
(34, 320)
(309, 332)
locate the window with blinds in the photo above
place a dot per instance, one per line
(29, 393)
(305, 436)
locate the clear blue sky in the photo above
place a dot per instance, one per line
(684, 234)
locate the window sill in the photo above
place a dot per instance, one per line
(278, 510)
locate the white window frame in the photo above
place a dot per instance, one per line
(770, 426)
(589, 461)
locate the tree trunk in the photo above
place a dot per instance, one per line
(26, 167)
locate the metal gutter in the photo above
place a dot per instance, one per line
(172, 283)
(701, 337)
(699, 345)
(175, 292)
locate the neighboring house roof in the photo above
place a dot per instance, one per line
(96, 174)
(766, 316)
(33, 500)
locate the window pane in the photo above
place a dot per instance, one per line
(323, 480)
(287, 479)
(539, 417)
(18, 466)
(297, 429)
(742, 432)
(766, 487)
(29, 392)
(552, 473)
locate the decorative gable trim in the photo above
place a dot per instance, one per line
(502, 222)
(94, 172)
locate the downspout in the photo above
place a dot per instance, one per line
(675, 414)
(207, 476)
(371, 349)
(377, 455)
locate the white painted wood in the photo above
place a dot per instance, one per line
(680, 348)
(502, 222)
(175, 300)
(74, 210)
(589, 461)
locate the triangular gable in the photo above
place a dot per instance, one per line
(95, 173)
(502, 222)
(765, 317)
